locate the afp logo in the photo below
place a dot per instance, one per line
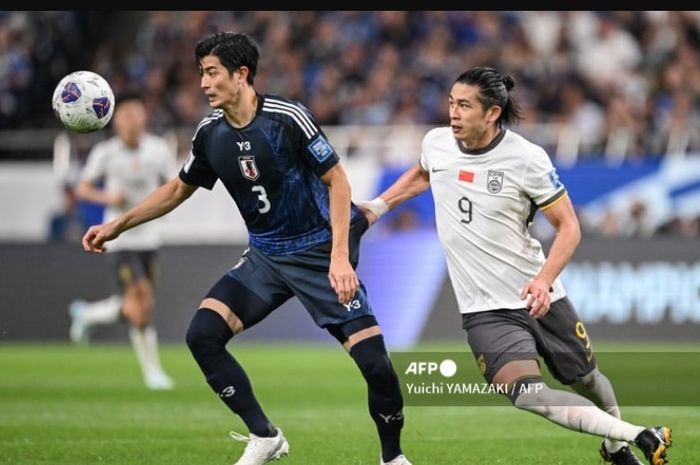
(447, 368)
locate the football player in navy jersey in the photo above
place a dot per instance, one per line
(304, 235)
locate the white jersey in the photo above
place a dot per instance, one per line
(484, 202)
(134, 172)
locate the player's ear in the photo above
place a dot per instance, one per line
(243, 74)
(494, 113)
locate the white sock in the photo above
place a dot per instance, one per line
(597, 387)
(610, 444)
(577, 413)
(145, 344)
(103, 311)
(151, 338)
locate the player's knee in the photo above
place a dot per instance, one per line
(371, 357)
(525, 391)
(207, 333)
(140, 315)
(135, 316)
(139, 321)
(592, 379)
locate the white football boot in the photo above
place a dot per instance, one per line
(261, 450)
(398, 460)
(79, 328)
(159, 381)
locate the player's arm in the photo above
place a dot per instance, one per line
(562, 217)
(341, 274)
(88, 191)
(158, 203)
(96, 168)
(411, 183)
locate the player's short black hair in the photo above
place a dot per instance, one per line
(234, 49)
(494, 89)
(128, 95)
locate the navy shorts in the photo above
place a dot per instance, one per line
(260, 283)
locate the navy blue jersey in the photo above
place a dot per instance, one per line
(272, 169)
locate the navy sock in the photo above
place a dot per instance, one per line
(207, 337)
(383, 392)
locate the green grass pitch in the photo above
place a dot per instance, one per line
(65, 405)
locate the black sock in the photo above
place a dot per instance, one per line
(383, 392)
(207, 336)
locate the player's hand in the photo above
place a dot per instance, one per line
(362, 205)
(343, 280)
(538, 298)
(96, 236)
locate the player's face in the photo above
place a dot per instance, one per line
(221, 88)
(130, 121)
(471, 123)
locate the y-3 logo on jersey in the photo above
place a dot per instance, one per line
(245, 145)
(248, 167)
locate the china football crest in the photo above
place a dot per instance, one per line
(494, 181)
(249, 168)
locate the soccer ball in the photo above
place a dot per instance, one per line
(83, 101)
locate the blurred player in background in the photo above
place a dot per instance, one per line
(131, 164)
(487, 182)
(304, 235)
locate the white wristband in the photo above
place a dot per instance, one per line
(377, 206)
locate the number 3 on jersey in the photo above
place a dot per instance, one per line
(262, 197)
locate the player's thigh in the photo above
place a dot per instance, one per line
(310, 284)
(498, 339)
(138, 296)
(251, 290)
(306, 274)
(131, 266)
(567, 348)
(149, 259)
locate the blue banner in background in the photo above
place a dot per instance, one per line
(591, 180)
(403, 273)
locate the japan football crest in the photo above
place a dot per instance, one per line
(248, 167)
(494, 181)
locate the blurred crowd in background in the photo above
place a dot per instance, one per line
(635, 70)
(603, 73)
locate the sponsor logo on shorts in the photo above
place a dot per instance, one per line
(481, 363)
(353, 305)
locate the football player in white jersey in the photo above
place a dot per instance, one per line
(131, 164)
(487, 183)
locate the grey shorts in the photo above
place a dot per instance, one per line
(134, 265)
(497, 337)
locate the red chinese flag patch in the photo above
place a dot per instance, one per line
(466, 176)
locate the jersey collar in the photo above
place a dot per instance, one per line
(496, 140)
(261, 99)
